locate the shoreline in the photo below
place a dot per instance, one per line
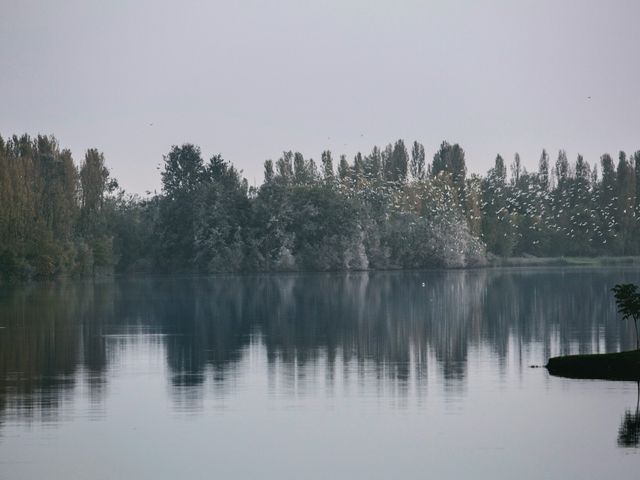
(623, 366)
(490, 264)
(530, 261)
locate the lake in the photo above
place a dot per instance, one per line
(321, 376)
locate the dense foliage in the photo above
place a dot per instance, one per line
(387, 209)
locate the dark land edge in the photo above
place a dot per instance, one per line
(603, 366)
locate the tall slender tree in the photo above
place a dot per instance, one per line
(417, 161)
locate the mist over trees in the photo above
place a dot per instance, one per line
(390, 208)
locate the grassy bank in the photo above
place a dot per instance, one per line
(605, 366)
(531, 261)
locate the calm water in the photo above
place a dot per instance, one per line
(383, 375)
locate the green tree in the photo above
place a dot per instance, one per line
(268, 171)
(399, 162)
(496, 220)
(327, 166)
(95, 183)
(417, 161)
(516, 169)
(628, 303)
(580, 202)
(373, 164)
(626, 197)
(222, 211)
(343, 169)
(607, 196)
(284, 166)
(562, 169)
(450, 159)
(182, 178)
(543, 170)
(300, 173)
(358, 167)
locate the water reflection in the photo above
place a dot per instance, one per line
(629, 431)
(394, 327)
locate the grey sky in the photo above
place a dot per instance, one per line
(249, 79)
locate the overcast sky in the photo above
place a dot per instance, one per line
(249, 79)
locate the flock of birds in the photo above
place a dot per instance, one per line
(578, 212)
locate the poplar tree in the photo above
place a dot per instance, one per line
(543, 170)
(417, 161)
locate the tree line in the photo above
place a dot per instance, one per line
(387, 209)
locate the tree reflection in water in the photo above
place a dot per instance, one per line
(629, 431)
(390, 326)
